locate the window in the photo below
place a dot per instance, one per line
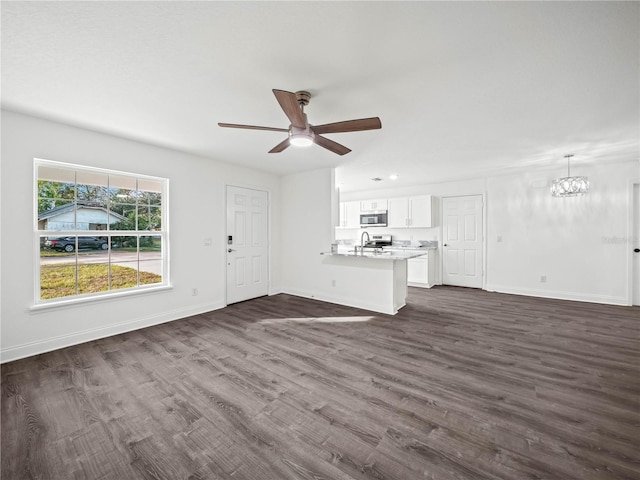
(98, 232)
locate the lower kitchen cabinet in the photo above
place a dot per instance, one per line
(420, 271)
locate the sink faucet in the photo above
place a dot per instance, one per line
(362, 240)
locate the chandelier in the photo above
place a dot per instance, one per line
(569, 186)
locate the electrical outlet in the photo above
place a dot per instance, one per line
(499, 238)
(194, 292)
(333, 283)
(543, 279)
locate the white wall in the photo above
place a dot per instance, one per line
(580, 244)
(196, 211)
(568, 240)
(307, 230)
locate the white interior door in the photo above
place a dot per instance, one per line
(247, 244)
(462, 248)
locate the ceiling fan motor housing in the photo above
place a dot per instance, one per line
(303, 97)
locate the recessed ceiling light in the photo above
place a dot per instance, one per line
(393, 176)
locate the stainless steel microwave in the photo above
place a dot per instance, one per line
(373, 219)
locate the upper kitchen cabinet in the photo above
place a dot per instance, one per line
(371, 205)
(410, 212)
(349, 215)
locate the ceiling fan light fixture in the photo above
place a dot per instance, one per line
(300, 140)
(299, 137)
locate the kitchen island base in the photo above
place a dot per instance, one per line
(376, 284)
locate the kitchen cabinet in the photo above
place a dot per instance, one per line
(421, 271)
(410, 212)
(397, 216)
(372, 205)
(349, 215)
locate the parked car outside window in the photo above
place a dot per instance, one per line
(68, 244)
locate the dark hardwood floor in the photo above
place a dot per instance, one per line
(461, 384)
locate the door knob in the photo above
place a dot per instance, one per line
(446, 245)
(637, 250)
(231, 250)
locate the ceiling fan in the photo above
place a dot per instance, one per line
(301, 133)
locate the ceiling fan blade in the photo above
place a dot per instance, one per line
(331, 145)
(280, 147)
(252, 127)
(289, 104)
(372, 123)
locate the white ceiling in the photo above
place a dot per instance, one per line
(462, 88)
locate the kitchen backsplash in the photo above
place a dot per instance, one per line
(401, 237)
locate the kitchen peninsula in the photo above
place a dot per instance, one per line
(374, 280)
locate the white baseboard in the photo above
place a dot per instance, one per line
(348, 302)
(558, 295)
(54, 343)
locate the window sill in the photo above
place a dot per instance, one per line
(71, 302)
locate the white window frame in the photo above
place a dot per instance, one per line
(88, 297)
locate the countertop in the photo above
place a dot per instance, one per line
(389, 254)
(410, 247)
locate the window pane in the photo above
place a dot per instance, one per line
(56, 173)
(93, 264)
(56, 194)
(93, 277)
(122, 217)
(57, 271)
(124, 262)
(150, 185)
(92, 192)
(61, 215)
(149, 218)
(121, 244)
(151, 259)
(150, 192)
(124, 275)
(57, 280)
(122, 182)
(154, 198)
(50, 192)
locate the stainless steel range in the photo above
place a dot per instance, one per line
(378, 241)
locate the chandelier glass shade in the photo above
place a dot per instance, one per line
(569, 186)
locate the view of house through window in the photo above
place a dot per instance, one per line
(99, 231)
